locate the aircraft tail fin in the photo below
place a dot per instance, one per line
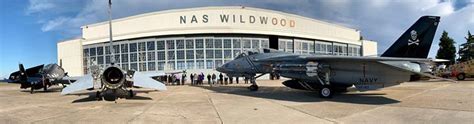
(416, 41)
(23, 76)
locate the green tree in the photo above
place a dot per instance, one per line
(446, 50)
(467, 50)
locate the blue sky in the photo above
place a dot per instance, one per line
(30, 29)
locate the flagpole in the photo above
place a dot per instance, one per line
(111, 48)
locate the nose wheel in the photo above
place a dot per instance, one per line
(325, 92)
(253, 87)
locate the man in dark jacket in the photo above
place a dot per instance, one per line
(209, 79)
(191, 77)
(221, 78)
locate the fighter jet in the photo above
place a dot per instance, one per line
(328, 74)
(113, 78)
(40, 77)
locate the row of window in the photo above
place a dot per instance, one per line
(170, 54)
(197, 52)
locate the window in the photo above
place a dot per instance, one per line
(199, 54)
(134, 66)
(282, 45)
(265, 44)
(133, 47)
(151, 66)
(141, 46)
(142, 66)
(190, 64)
(161, 55)
(210, 64)
(100, 50)
(180, 54)
(218, 43)
(133, 57)
(116, 49)
(227, 43)
(170, 44)
(304, 47)
(247, 43)
(180, 65)
(117, 58)
(171, 65)
(107, 59)
(189, 54)
(124, 57)
(218, 63)
(190, 44)
(160, 45)
(100, 59)
(209, 54)
(124, 48)
(171, 55)
(218, 53)
(107, 50)
(150, 45)
(180, 44)
(227, 54)
(200, 64)
(142, 56)
(85, 52)
(209, 43)
(199, 43)
(236, 43)
(289, 46)
(255, 44)
(92, 51)
(151, 56)
(160, 65)
(236, 52)
(125, 67)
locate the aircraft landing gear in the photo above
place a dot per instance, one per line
(130, 93)
(254, 86)
(325, 92)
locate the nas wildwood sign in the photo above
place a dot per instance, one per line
(232, 18)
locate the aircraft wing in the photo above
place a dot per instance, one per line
(144, 80)
(338, 58)
(83, 83)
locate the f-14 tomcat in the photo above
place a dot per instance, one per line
(403, 61)
(112, 78)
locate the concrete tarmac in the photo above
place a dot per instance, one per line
(414, 102)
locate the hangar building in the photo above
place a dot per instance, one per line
(200, 39)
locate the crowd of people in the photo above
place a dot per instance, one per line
(200, 78)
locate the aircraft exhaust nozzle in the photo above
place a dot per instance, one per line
(113, 77)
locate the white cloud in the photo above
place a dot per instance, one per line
(39, 5)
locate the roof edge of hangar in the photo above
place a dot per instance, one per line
(215, 8)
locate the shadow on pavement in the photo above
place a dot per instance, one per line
(287, 94)
(49, 90)
(107, 97)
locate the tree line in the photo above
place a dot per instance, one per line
(447, 50)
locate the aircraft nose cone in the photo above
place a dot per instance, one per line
(222, 68)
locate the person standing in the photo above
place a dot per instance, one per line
(183, 78)
(237, 80)
(221, 78)
(225, 80)
(196, 79)
(231, 80)
(246, 80)
(209, 79)
(191, 77)
(214, 78)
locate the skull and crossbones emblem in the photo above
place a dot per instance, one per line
(413, 38)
